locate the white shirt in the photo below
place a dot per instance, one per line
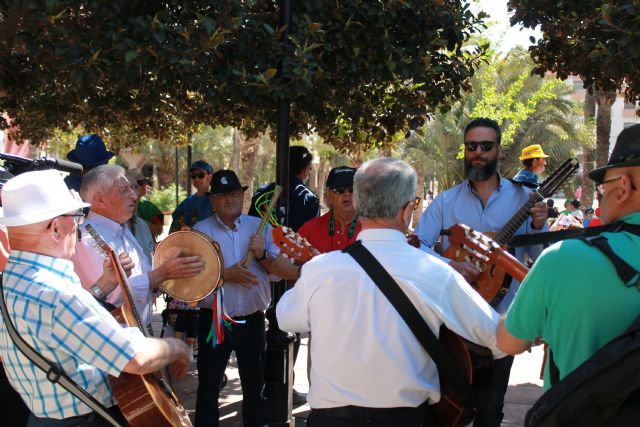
(88, 262)
(363, 353)
(234, 244)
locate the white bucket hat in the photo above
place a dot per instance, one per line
(32, 197)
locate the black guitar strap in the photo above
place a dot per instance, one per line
(411, 317)
(53, 372)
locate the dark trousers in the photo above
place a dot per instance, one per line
(490, 414)
(249, 342)
(354, 416)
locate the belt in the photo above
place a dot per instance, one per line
(361, 412)
(258, 313)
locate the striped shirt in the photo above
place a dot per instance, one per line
(65, 324)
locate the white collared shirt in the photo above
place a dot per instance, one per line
(88, 262)
(234, 244)
(363, 353)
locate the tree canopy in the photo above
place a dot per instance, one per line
(594, 39)
(357, 72)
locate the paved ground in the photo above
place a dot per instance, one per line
(524, 387)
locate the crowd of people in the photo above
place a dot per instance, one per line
(366, 366)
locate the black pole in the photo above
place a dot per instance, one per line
(189, 154)
(279, 363)
(176, 181)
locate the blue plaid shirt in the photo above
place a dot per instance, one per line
(68, 327)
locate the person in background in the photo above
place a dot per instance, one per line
(339, 227)
(552, 211)
(534, 161)
(575, 210)
(195, 207)
(588, 217)
(146, 209)
(137, 225)
(90, 152)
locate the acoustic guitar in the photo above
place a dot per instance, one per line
(145, 400)
(292, 244)
(492, 276)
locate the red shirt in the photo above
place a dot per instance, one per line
(316, 231)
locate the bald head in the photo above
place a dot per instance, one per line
(621, 196)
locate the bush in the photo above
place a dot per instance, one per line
(165, 198)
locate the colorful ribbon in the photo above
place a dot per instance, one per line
(221, 320)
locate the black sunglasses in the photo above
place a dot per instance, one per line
(198, 175)
(484, 145)
(342, 189)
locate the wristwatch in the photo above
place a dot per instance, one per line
(263, 257)
(98, 292)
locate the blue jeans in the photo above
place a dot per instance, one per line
(490, 414)
(249, 342)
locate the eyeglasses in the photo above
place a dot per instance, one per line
(198, 175)
(342, 189)
(416, 203)
(78, 218)
(601, 187)
(485, 146)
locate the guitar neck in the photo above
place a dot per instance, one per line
(130, 311)
(506, 233)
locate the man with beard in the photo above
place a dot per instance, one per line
(485, 201)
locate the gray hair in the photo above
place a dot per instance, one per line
(381, 187)
(99, 180)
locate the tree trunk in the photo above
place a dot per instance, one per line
(605, 100)
(249, 148)
(234, 163)
(164, 161)
(419, 190)
(588, 152)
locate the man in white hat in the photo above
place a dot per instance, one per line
(56, 316)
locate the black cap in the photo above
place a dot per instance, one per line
(226, 181)
(340, 177)
(201, 164)
(625, 153)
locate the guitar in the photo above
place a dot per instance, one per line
(491, 279)
(145, 400)
(293, 245)
(473, 360)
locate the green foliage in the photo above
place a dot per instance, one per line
(356, 72)
(594, 39)
(165, 198)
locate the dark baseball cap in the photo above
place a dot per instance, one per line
(201, 164)
(340, 176)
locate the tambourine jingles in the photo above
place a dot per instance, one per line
(190, 243)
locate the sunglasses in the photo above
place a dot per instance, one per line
(198, 175)
(601, 186)
(484, 145)
(342, 189)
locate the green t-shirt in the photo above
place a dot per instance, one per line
(574, 299)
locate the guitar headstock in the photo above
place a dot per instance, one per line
(553, 183)
(475, 244)
(292, 244)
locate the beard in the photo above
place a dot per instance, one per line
(480, 173)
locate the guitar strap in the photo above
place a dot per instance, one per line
(53, 372)
(411, 316)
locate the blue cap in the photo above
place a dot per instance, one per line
(201, 164)
(90, 151)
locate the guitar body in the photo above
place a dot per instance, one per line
(146, 400)
(476, 363)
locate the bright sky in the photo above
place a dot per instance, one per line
(502, 34)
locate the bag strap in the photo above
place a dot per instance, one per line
(629, 276)
(410, 315)
(54, 374)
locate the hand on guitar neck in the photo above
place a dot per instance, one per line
(468, 270)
